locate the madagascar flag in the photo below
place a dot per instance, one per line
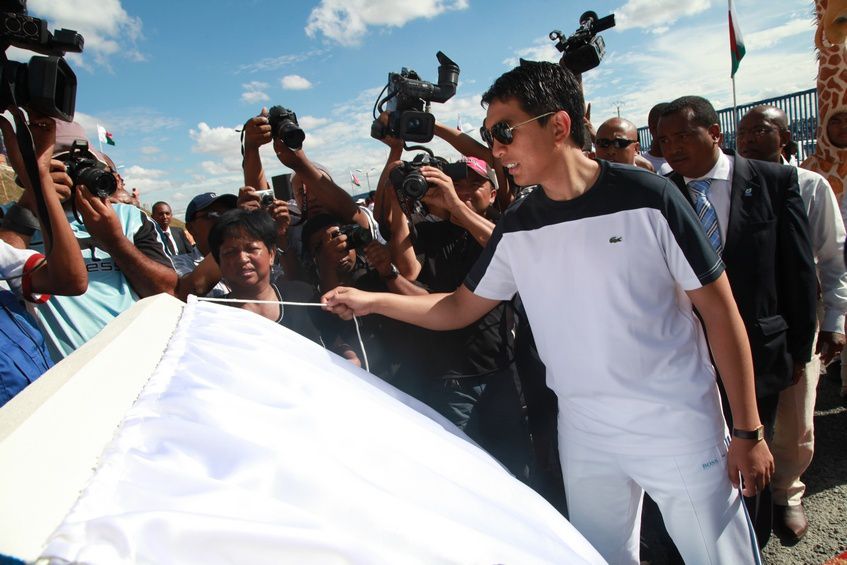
(736, 41)
(105, 136)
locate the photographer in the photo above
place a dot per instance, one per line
(23, 353)
(123, 255)
(472, 379)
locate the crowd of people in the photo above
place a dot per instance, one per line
(603, 320)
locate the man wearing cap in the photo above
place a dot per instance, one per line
(121, 249)
(198, 270)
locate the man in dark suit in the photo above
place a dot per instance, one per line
(174, 239)
(754, 217)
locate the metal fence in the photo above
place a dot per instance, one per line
(801, 108)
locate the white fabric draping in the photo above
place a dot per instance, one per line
(251, 444)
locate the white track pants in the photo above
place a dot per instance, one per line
(704, 515)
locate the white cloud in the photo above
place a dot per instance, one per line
(770, 37)
(672, 65)
(150, 150)
(254, 92)
(272, 63)
(652, 14)
(105, 25)
(542, 49)
(347, 21)
(295, 82)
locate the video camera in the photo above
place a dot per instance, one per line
(408, 100)
(44, 84)
(583, 50)
(410, 184)
(284, 127)
(84, 168)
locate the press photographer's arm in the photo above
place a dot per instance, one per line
(63, 272)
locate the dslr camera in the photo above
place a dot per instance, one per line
(284, 127)
(407, 101)
(410, 184)
(583, 50)
(357, 236)
(44, 84)
(83, 168)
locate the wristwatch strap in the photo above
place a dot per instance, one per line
(758, 434)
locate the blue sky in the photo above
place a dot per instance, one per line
(173, 80)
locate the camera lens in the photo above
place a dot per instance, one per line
(97, 181)
(415, 185)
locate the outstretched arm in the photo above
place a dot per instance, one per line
(455, 310)
(731, 352)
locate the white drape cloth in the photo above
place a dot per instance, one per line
(250, 444)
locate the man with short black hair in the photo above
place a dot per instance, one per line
(763, 134)
(174, 238)
(754, 218)
(608, 260)
(654, 152)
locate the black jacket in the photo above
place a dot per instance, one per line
(770, 266)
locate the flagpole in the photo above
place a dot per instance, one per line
(734, 103)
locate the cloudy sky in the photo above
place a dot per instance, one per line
(173, 81)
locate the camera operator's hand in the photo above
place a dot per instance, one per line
(379, 257)
(279, 212)
(441, 194)
(333, 252)
(61, 179)
(292, 159)
(248, 199)
(393, 142)
(347, 302)
(99, 218)
(257, 131)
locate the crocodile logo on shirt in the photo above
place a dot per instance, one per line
(616, 239)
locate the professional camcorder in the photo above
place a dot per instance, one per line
(410, 184)
(408, 98)
(46, 84)
(284, 127)
(84, 169)
(583, 50)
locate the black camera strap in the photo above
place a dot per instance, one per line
(27, 148)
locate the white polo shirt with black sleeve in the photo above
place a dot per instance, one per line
(603, 277)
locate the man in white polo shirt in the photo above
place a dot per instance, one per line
(608, 261)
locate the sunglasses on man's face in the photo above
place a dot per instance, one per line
(502, 132)
(617, 143)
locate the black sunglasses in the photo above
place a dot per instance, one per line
(618, 143)
(502, 132)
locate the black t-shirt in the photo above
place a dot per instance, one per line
(448, 253)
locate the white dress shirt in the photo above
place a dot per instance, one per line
(827, 234)
(720, 190)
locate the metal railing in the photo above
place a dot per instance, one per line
(800, 107)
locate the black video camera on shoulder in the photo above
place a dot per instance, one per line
(284, 127)
(410, 184)
(408, 99)
(44, 84)
(583, 50)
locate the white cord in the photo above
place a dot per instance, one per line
(283, 303)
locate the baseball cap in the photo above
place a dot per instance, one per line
(66, 134)
(206, 199)
(482, 168)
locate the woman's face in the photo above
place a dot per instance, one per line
(245, 262)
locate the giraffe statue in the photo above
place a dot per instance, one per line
(829, 160)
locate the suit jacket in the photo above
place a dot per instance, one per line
(770, 266)
(182, 244)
